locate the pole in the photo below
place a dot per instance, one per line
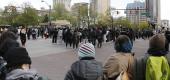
(112, 22)
(49, 15)
(88, 17)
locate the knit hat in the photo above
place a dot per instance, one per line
(86, 50)
(123, 44)
(157, 43)
(17, 55)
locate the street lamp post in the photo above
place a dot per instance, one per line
(49, 18)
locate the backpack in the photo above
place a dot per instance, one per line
(20, 74)
(124, 74)
(3, 69)
(140, 67)
(157, 68)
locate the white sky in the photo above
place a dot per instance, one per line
(165, 12)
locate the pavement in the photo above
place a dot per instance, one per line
(54, 60)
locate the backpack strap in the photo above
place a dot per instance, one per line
(168, 58)
(140, 68)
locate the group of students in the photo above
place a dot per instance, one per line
(15, 62)
(123, 65)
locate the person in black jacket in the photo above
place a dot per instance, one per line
(99, 38)
(55, 34)
(23, 36)
(68, 37)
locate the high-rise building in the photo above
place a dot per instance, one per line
(135, 12)
(165, 23)
(153, 9)
(67, 3)
(100, 6)
(75, 9)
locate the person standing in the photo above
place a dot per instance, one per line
(121, 61)
(86, 68)
(55, 34)
(23, 36)
(75, 39)
(29, 33)
(20, 69)
(33, 34)
(99, 38)
(155, 64)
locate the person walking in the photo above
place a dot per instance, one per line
(86, 68)
(75, 39)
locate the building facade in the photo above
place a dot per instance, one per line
(80, 10)
(165, 23)
(75, 9)
(135, 12)
(153, 9)
(100, 6)
(67, 3)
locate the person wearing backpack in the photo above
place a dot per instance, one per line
(87, 68)
(155, 64)
(19, 65)
(120, 64)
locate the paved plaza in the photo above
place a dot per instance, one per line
(54, 60)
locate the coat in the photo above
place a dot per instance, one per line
(85, 70)
(24, 74)
(118, 63)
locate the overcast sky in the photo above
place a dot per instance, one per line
(165, 12)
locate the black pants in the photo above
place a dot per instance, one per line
(54, 40)
(68, 42)
(75, 44)
(23, 41)
(99, 45)
(94, 42)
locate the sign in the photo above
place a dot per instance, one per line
(146, 14)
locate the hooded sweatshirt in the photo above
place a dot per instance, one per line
(22, 74)
(85, 70)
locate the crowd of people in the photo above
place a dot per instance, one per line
(74, 36)
(122, 65)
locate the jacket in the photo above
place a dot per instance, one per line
(85, 70)
(23, 74)
(140, 66)
(117, 63)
